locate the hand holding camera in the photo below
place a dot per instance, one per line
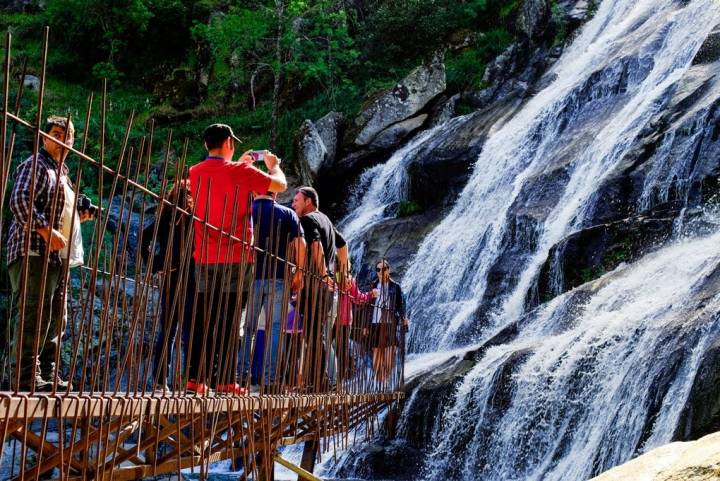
(86, 208)
(272, 161)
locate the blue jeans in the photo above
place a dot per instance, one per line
(270, 295)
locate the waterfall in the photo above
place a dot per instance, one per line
(591, 386)
(380, 190)
(612, 80)
(599, 373)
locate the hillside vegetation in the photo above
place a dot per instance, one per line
(261, 66)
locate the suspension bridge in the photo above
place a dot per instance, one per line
(115, 404)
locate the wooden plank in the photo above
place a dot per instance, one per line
(34, 407)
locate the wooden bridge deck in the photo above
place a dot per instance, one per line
(118, 437)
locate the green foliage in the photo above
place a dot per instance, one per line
(466, 68)
(407, 208)
(322, 49)
(397, 28)
(234, 40)
(558, 19)
(101, 36)
(332, 55)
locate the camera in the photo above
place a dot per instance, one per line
(257, 155)
(85, 205)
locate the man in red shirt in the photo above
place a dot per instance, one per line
(223, 252)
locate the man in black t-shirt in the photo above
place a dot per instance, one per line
(327, 247)
(327, 255)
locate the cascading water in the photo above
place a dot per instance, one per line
(381, 189)
(387, 188)
(590, 386)
(602, 372)
(612, 80)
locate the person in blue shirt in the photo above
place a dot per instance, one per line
(280, 260)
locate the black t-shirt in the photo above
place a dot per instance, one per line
(317, 226)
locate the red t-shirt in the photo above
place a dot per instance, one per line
(230, 185)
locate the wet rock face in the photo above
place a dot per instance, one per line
(589, 253)
(404, 100)
(701, 414)
(428, 398)
(310, 152)
(710, 50)
(397, 241)
(442, 166)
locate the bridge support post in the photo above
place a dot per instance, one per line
(309, 456)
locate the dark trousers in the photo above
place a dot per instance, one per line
(174, 306)
(315, 305)
(341, 335)
(46, 331)
(215, 332)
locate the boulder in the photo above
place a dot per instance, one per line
(444, 111)
(31, 82)
(691, 461)
(533, 17)
(309, 154)
(396, 133)
(404, 100)
(710, 49)
(328, 127)
(311, 147)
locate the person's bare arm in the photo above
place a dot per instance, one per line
(297, 249)
(343, 257)
(317, 258)
(278, 182)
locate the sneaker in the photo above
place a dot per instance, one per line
(62, 385)
(40, 385)
(231, 389)
(198, 388)
(162, 388)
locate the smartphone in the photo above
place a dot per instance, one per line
(258, 155)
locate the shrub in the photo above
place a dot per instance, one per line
(408, 208)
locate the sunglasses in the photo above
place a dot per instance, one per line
(378, 269)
